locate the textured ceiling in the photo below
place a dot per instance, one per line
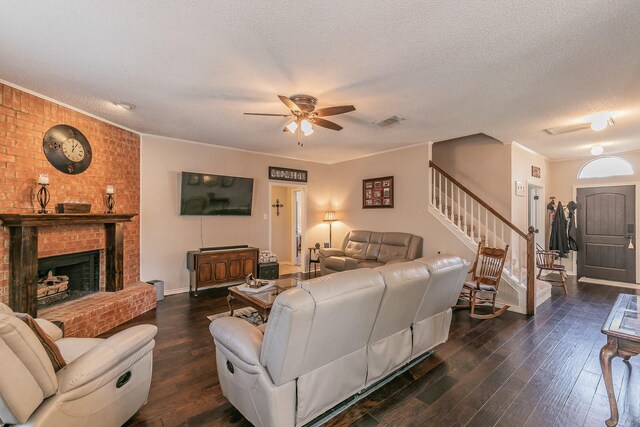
(502, 67)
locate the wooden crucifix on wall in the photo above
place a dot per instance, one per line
(277, 205)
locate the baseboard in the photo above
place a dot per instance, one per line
(609, 283)
(176, 291)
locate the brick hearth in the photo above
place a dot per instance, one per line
(97, 313)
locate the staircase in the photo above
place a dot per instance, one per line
(472, 220)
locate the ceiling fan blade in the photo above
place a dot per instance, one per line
(268, 114)
(326, 124)
(332, 111)
(290, 104)
(566, 129)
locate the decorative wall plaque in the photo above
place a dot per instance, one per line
(286, 174)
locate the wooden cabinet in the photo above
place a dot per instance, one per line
(220, 267)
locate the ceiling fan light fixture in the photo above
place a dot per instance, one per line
(306, 127)
(596, 150)
(292, 127)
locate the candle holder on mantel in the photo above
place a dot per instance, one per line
(43, 195)
(109, 201)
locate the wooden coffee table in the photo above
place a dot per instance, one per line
(622, 329)
(261, 301)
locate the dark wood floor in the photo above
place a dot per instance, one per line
(509, 371)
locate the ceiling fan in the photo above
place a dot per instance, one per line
(305, 115)
(597, 124)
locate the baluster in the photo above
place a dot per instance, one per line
(459, 208)
(486, 226)
(433, 186)
(473, 237)
(465, 219)
(446, 190)
(439, 191)
(495, 232)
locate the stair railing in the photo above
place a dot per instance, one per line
(478, 220)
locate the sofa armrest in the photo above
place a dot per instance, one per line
(104, 357)
(239, 337)
(331, 252)
(49, 328)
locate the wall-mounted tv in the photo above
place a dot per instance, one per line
(204, 194)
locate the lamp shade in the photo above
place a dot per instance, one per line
(330, 216)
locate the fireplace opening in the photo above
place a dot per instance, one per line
(65, 277)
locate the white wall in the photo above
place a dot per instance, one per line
(410, 169)
(281, 225)
(482, 164)
(166, 236)
(521, 162)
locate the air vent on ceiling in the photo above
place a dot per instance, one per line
(390, 121)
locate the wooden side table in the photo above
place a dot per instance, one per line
(315, 252)
(622, 329)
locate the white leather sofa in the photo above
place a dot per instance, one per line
(84, 392)
(334, 336)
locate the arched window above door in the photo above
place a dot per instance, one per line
(604, 167)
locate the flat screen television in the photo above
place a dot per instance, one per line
(204, 194)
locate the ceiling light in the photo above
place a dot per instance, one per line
(599, 123)
(292, 127)
(306, 127)
(124, 105)
(596, 150)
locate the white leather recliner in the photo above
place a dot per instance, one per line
(104, 383)
(334, 336)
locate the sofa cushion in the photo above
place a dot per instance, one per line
(341, 263)
(357, 244)
(356, 250)
(394, 246)
(369, 264)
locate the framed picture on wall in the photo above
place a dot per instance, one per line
(377, 193)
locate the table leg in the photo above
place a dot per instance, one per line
(607, 353)
(229, 299)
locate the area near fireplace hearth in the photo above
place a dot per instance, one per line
(24, 119)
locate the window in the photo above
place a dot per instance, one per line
(603, 167)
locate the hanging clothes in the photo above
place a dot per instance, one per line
(559, 240)
(573, 242)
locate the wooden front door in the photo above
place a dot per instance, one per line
(606, 223)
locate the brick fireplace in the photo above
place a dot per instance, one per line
(24, 119)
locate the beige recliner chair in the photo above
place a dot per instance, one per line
(104, 383)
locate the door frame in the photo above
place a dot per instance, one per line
(303, 188)
(542, 210)
(611, 184)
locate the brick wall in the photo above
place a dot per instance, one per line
(24, 119)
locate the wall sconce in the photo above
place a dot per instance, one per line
(330, 217)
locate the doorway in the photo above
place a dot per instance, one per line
(606, 233)
(287, 213)
(535, 213)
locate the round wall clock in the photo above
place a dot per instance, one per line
(67, 149)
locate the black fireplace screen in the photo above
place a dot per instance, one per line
(65, 277)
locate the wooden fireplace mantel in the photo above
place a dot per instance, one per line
(23, 252)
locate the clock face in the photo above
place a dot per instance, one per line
(67, 149)
(73, 149)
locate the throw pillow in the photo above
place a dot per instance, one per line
(49, 346)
